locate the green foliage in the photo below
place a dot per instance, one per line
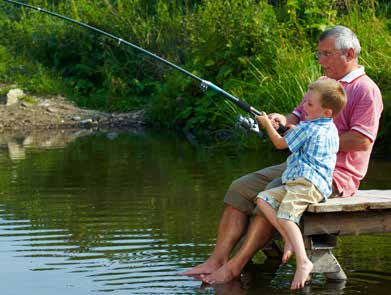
(94, 70)
(259, 52)
(222, 31)
(30, 99)
(4, 57)
(312, 15)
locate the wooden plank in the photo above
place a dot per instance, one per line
(347, 223)
(362, 201)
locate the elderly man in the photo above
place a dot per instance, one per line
(338, 51)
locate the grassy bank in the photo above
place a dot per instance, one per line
(261, 51)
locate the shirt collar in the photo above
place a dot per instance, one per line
(321, 120)
(353, 75)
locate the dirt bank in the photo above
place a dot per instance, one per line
(32, 112)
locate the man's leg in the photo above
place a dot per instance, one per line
(259, 233)
(240, 203)
(233, 224)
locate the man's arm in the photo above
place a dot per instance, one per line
(353, 141)
(291, 119)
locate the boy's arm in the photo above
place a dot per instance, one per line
(278, 141)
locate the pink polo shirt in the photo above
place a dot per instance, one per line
(361, 114)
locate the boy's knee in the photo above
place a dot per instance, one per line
(261, 202)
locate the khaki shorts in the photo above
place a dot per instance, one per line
(242, 194)
(292, 199)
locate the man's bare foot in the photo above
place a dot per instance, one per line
(209, 266)
(301, 275)
(223, 275)
(288, 252)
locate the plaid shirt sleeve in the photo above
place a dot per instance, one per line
(296, 137)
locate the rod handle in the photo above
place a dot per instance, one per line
(281, 128)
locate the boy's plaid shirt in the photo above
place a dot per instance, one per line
(314, 145)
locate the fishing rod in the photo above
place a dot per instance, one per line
(204, 84)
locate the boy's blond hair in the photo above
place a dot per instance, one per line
(332, 94)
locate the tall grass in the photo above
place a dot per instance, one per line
(283, 88)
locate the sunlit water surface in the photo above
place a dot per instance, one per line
(123, 213)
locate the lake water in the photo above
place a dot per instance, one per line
(123, 213)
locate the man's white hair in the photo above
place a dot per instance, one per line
(344, 39)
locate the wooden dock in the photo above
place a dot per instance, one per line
(367, 212)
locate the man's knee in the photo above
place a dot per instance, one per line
(242, 192)
(240, 195)
(274, 183)
(236, 185)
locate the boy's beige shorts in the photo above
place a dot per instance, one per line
(291, 199)
(242, 193)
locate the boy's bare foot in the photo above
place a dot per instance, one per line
(209, 266)
(301, 275)
(288, 252)
(223, 275)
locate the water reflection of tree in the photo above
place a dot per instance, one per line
(365, 252)
(96, 187)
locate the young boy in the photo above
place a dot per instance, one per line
(307, 179)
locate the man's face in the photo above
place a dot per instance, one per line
(334, 62)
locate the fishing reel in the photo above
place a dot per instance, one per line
(249, 124)
(204, 86)
(244, 122)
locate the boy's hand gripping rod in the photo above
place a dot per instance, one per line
(205, 85)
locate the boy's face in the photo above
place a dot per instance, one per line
(313, 108)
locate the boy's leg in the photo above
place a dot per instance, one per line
(270, 213)
(299, 194)
(303, 264)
